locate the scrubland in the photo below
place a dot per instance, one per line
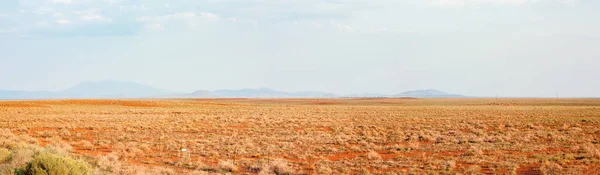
(302, 136)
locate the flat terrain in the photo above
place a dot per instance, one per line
(322, 136)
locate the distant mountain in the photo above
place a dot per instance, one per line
(200, 94)
(255, 93)
(429, 93)
(365, 95)
(251, 93)
(313, 94)
(100, 89)
(17, 95)
(113, 89)
(124, 89)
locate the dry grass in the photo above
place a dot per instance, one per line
(324, 136)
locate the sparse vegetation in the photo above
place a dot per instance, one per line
(302, 136)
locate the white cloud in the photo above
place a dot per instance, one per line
(42, 23)
(134, 8)
(233, 20)
(3, 31)
(481, 2)
(95, 18)
(92, 15)
(62, 1)
(115, 1)
(176, 16)
(210, 16)
(342, 27)
(181, 16)
(345, 27)
(64, 21)
(154, 27)
(317, 25)
(190, 19)
(43, 10)
(58, 14)
(379, 30)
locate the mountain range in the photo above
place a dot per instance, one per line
(124, 89)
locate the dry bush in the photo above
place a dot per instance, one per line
(109, 162)
(145, 147)
(47, 134)
(197, 172)
(258, 168)
(589, 151)
(129, 150)
(448, 165)
(132, 170)
(227, 166)
(21, 157)
(61, 145)
(64, 132)
(86, 144)
(162, 171)
(551, 168)
(372, 155)
(7, 169)
(8, 139)
(279, 167)
(474, 151)
(28, 139)
(22, 129)
(204, 167)
(323, 168)
(473, 169)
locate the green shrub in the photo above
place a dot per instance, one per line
(4, 155)
(50, 164)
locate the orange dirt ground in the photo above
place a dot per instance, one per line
(325, 136)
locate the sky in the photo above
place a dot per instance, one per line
(509, 48)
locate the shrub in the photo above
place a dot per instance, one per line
(4, 155)
(550, 168)
(132, 170)
(86, 145)
(21, 156)
(63, 145)
(473, 169)
(473, 152)
(448, 165)
(196, 172)
(372, 155)
(227, 166)
(323, 168)
(47, 163)
(364, 171)
(162, 171)
(28, 139)
(280, 167)
(6, 169)
(109, 162)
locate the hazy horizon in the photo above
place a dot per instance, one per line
(509, 48)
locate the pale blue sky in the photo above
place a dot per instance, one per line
(471, 47)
